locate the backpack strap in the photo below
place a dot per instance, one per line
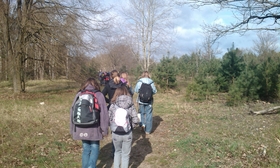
(92, 92)
(124, 108)
(147, 83)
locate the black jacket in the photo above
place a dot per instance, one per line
(109, 90)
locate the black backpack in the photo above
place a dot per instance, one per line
(146, 93)
(86, 111)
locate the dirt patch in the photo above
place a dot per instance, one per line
(147, 150)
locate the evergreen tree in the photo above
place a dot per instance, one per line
(246, 87)
(183, 66)
(165, 73)
(204, 83)
(232, 65)
(189, 65)
(268, 74)
(209, 67)
(201, 88)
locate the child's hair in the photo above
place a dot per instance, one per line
(124, 75)
(118, 92)
(115, 76)
(145, 74)
(91, 81)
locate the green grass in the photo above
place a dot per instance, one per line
(188, 134)
(227, 137)
(33, 134)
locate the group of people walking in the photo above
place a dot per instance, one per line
(116, 94)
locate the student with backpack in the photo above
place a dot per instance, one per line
(114, 83)
(89, 120)
(145, 88)
(123, 117)
(109, 90)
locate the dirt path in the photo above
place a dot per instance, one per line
(147, 150)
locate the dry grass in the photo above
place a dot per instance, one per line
(186, 134)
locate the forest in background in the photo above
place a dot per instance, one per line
(73, 40)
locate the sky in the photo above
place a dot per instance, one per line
(190, 35)
(188, 28)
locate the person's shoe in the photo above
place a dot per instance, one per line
(147, 133)
(143, 127)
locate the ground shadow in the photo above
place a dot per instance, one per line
(139, 151)
(156, 122)
(141, 144)
(105, 158)
(141, 147)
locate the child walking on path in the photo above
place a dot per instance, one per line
(146, 108)
(109, 90)
(91, 135)
(122, 138)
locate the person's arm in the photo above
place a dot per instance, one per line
(105, 92)
(154, 88)
(131, 90)
(133, 115)
(137, 87)
(111, 112)
(104, 116)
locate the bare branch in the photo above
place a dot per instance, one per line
(250, 15)
(272, 110)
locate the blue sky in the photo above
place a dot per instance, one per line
(188, 28)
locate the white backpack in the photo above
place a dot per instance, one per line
(121, 121)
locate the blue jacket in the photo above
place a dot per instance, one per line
(139, 83)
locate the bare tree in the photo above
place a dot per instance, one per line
(149, 22)
(37, 31)
(209, 50)
(250, 15)
(4, 43)
(266, 43)
(116, 53)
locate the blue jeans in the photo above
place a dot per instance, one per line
(90, 153)
(146, 112)
(122, 145)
